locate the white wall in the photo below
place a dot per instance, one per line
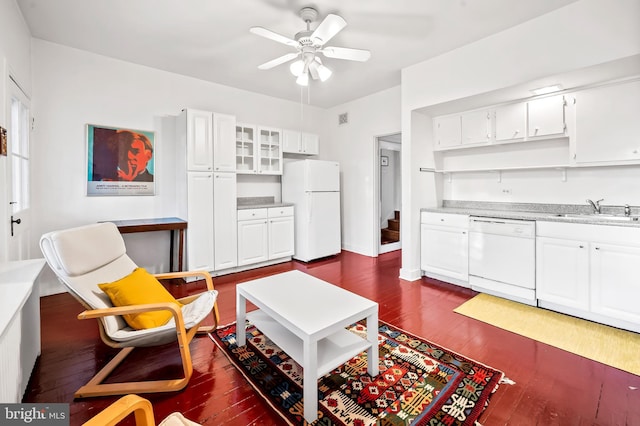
(73, 88)
(15, 60)
(582, 34)
(353, 145)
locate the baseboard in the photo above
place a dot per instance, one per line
(410, 274)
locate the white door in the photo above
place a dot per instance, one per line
(199, 141)
(18, 175)
(475, 127)
(224, 142)
(615, 273)
(323, 221)
(546, 116)
(253, 241)
(443, 251)
(200, 230)
(225, 220)
(562, 272)
(281, 237)
(322, 175)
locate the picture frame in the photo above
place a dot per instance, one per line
(384, 160)
(120, 161)
(3, 141)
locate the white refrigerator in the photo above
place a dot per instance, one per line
(313, 186)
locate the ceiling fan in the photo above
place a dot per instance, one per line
(308, 44)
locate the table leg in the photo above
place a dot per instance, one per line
(180, 249)
(241, 316)
(310, 380)
(372, 337)
(171, 251)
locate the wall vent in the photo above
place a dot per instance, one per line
(343, 118)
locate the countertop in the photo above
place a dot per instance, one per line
(16, 283)
(538, 213)
(264, 206)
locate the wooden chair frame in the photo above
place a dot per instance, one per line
(96, 387)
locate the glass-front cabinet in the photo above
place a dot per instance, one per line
(270, 151)
(246, 148)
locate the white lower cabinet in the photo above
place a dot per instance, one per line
(562, 272)
(211, 246)
(200, 253)
(444, 247)
(590, 271)
(265, 234)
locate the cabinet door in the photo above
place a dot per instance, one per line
(199, 141)
(224, 142)
(444, 251)
(510, 121)
(225, 220)
(608, 123)
(270, 147)
(281, 237)
(200, 248)
(615, 274)
(546, 116)
(291, 140)
(562, 272)
(310, 144)
(475, 127)
(246, 148)
(448, 131)
(253, 241)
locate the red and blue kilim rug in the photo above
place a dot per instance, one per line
(420, 383)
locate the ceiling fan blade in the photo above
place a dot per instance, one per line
(263, 32)
(275, 62)
(360, 55)
(329, 27)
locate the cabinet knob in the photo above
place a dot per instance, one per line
(597, 248)
(581, 246)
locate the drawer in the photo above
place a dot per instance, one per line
(280, 211)
(445, 219)
(250, 214)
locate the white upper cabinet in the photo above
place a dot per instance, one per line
(546, 116)
(510, 122)
(475, 127)
(269, 151)
(448, 131)
(246, 148)
(224, 146)
(608, 123)
(199, 141)
(295, 142)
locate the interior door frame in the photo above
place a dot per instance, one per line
(376, 232)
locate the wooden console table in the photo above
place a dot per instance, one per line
(160, 224)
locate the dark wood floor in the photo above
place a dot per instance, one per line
(552, 387)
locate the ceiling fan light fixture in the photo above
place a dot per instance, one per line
(303, 79)
(297, 67)
(324, 72)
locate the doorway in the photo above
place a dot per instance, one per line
(389, 192)
(16, 181)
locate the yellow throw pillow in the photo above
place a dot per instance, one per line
(139, 288)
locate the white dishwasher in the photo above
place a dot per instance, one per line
(502, 258)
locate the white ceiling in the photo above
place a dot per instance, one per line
(210, 39)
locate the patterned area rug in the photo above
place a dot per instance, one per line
(420, 383)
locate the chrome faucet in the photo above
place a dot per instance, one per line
(596, 205)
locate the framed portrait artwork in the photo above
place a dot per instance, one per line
(120, 161)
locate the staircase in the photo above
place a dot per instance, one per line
(391, 234)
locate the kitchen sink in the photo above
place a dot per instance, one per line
(603, 217)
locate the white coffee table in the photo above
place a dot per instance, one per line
(306, 317)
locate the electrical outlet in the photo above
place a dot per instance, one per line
(506, 191)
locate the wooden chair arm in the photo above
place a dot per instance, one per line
(206, 275)
(120, 409)
(132, 309)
